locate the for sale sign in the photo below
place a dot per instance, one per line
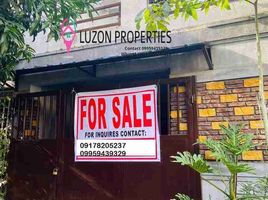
(117, 125)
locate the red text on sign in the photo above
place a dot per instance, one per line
(124, 112)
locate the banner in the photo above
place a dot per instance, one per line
(117, 125)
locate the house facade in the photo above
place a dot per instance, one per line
(206, 73)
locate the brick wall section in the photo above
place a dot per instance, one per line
(178, 116)
(233, 101)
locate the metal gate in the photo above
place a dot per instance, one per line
(89, 181)
(33, 157)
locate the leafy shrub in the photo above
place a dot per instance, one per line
(4, 146)
(227, 152)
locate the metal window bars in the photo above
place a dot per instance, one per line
(35, 117)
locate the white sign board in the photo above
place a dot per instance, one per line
(117, 125)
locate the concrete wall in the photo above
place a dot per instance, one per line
(230, 34)
(129, 10)
(220, 180)
(231, 60)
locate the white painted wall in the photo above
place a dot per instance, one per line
(209, 191)
(130, 8)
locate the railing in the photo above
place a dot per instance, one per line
(106, 16)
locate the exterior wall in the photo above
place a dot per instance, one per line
(186, 30)
(231, 101)
(235, 39)
(221, 102)
(209, 191)
(231, 59)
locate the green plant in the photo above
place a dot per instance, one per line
(227, 152)
(255, 190)
(18, 17)
(4, 146)
(183, 197)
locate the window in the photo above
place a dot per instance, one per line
(35, 118)
(173, 109)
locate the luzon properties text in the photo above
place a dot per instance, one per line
(125, 36)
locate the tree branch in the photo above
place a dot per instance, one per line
(249, 2)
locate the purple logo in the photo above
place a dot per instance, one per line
(68, 33)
